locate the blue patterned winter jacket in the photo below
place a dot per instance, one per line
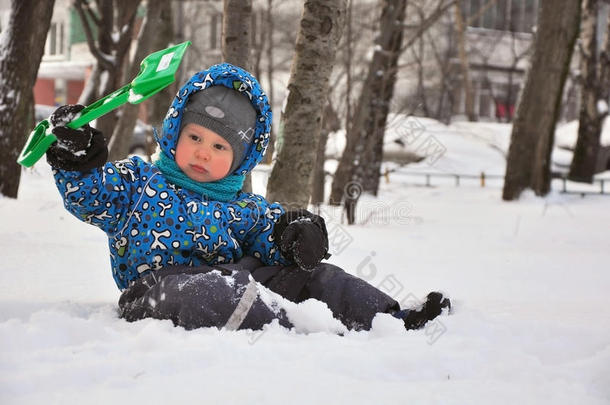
(152, 223)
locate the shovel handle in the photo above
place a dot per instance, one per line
(156, 72)
(101, 107)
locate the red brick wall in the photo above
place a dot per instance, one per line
(75, 88)
(44, 91)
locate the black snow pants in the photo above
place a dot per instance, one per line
(228, 295)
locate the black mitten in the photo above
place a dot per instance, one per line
(433, 307)
(79, 149)
(302, 238)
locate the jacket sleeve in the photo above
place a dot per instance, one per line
(254, 229)
(101, 196)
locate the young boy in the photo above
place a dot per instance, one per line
(185, 242)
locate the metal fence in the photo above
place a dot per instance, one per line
(483, 177)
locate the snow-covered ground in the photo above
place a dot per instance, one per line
(529, 282)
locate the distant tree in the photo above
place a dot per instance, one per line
(320, 30)
(158, 105)
(443, 58)
(269, 44)
(330, 123)
(528, 163)
(236, 32)
(595, 91)
(361, 160)
(114, 22)
(369, 122)
(508, 97)
(21, 49)
(123, 131)
(237, 42)
(460, 30)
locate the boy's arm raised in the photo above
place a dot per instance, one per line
(79, 149)
(94, 191)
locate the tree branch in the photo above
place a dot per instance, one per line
(427, 23)
(96, 19)
(480, 12)
(103, 61)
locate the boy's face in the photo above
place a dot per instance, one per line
(202, 154)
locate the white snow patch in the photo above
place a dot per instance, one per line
(134, 97)
(602, 106)
(527, 280)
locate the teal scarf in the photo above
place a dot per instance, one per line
(223, 190)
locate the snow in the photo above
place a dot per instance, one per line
(567, 134)
(602, 107)
(528, 280)
(70, 70)
(134, 97)
(444, 147)
(104, 77)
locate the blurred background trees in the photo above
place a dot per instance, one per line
(449, 60)
(529, 156)
(24, 30)
(320, 30)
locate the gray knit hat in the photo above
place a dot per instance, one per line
(226, 112)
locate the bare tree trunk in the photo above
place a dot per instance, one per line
(594, 94)
(361, 157)
(20, 54)
(319, 33)
(158, 105)
(258, 38)
(269, 33)
(419, 57)
(381, 91)
(236, 32)
(464, 64)
(89, 93)
(114, 22)
(236, 42)
(330, 123)
(445, 98)
(123, 131)
(349, 44)
(528, 163)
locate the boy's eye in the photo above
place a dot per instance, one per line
(219, 146)
(194, 137)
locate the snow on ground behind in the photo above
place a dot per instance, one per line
(528, 280)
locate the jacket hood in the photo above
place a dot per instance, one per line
(233, 77)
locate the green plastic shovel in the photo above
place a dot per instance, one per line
(157, 72)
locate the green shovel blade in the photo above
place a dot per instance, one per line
(157, 71)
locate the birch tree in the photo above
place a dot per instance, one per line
(21, 49)
(528, 163)
(320, 30)
(595, 90)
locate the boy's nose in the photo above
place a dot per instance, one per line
(202, 153)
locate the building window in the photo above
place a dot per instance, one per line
(511, 15)
(55, 40)
(215, 26)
